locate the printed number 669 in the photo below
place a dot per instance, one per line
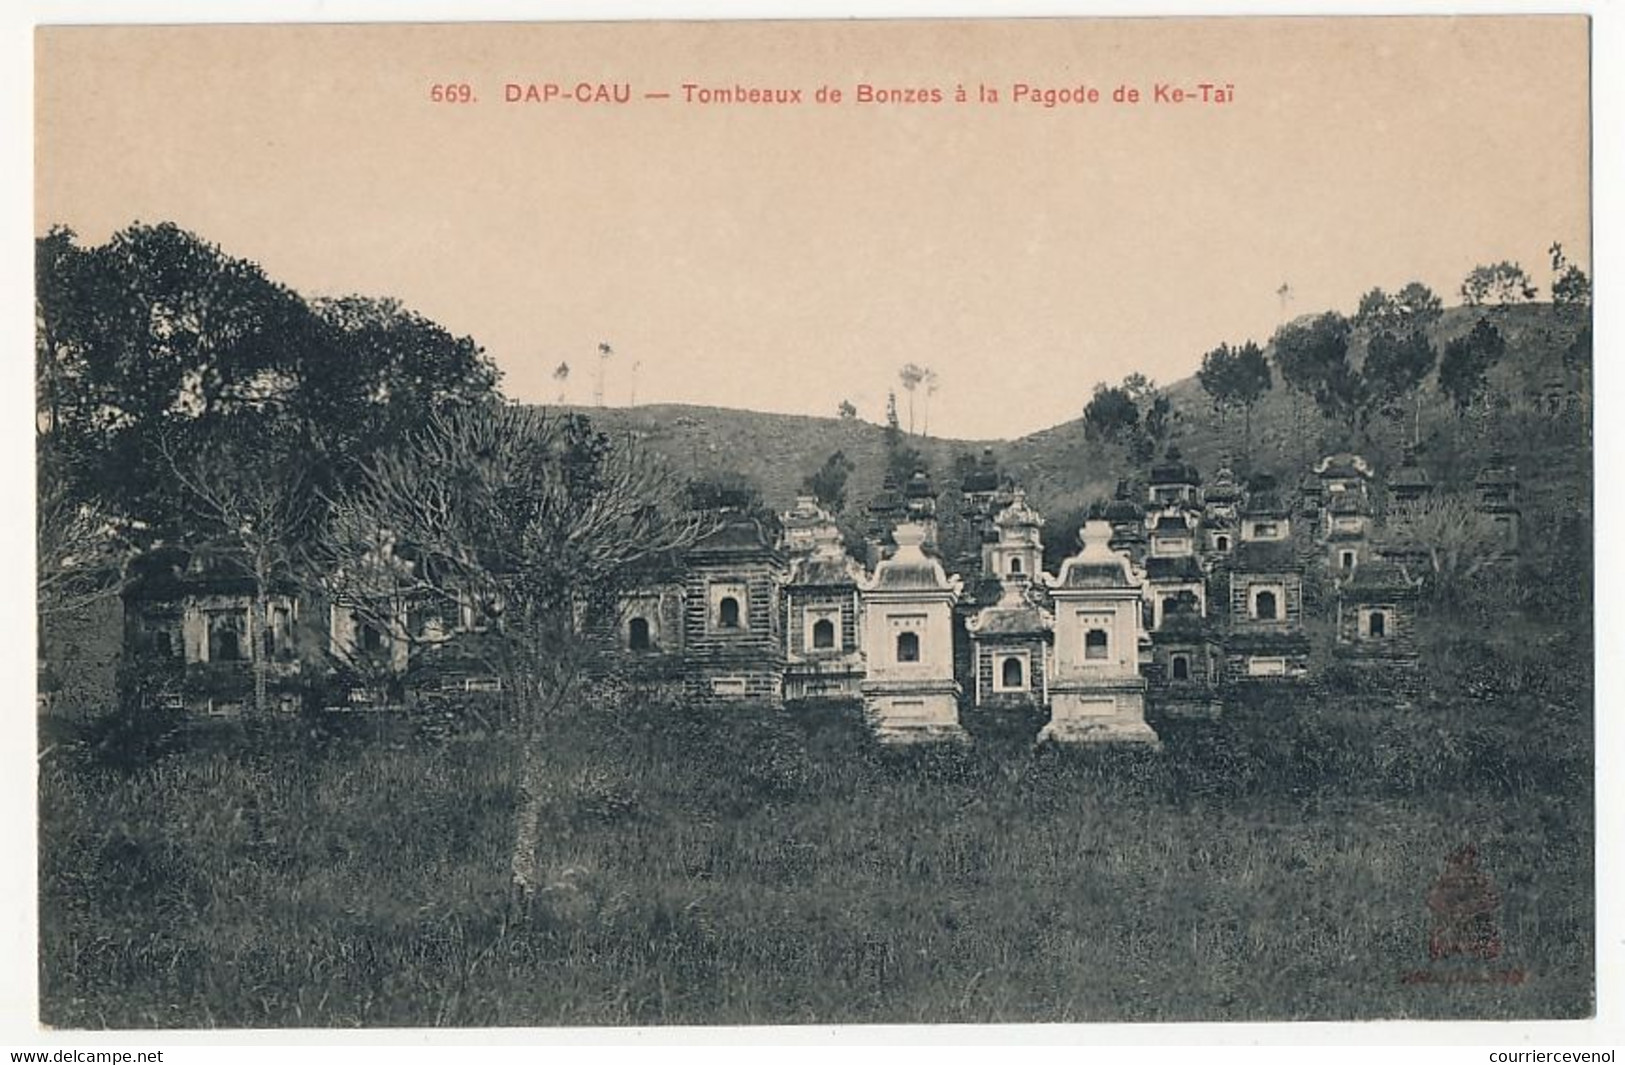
(459, 93)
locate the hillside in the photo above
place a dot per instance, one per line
(1061, 469)
(1288, 433)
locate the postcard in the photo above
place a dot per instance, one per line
(986, 521)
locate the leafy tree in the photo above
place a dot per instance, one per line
(532, 517)
(1111, 415)
(158, 335)
(1572, 288)
(1237, 377)
(846, 410)
(1214, 376)
(1141, 389)
(726, 491)
(828, 482)
(911, 376)
(155, 326)
(1252, 380)
(1419, 305)
(902, 459)
(1414, 307)
(1314, 360)
(1372, 305)
(1570, 285)
(384, 368)
(1497, 283)
(1395, 367)
(1464, 369)
(959, 540)
(1061, 533)
(1157, 417)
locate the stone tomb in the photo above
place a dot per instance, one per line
(909, 693)
(1097, 694)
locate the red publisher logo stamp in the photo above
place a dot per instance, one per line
(1464, 929)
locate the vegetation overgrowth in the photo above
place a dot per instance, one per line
(734, 864)
(730, 865)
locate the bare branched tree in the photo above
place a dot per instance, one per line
(81, 550)
(1458, 541)
(252, 508)
(523, 520)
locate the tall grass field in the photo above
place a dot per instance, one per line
(731, 865)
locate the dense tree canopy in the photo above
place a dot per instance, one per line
(1396, 364)
(828, 482)
(1414, 307)
(1464, 370)
(1497, 283)
(158, 335)
(1236, 377)
(1110, 414)
(1314, 358)
(1570, 285)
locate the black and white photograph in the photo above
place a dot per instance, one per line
(724, 523)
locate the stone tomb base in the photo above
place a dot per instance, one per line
(914, 715)
(1098, 716)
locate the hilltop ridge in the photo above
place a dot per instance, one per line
(1062, 468)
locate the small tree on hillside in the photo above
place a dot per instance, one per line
(1497, 284)
(901, 458)
(1251, 381)
(1464, 369)
(1414, 307)
(1314, 359)
(1111, 415)
(1214, 377)
(911, 376)
(1237, 377)
(1419, 305)
(1395, 367)
(828, 482)
(604, 353)
(1570, 285)
(846, 410)
(1157, 421)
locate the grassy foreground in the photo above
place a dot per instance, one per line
(728, 867)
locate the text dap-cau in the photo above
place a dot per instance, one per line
(582, 92)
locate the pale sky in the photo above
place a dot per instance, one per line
(786, 257)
